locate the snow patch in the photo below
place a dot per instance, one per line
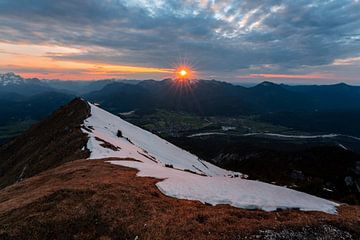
(236, 192)
(184, 175)
(10, 79)
(139, 144)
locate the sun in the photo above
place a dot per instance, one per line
(184, 70)
(183, 73)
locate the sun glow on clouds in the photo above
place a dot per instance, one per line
(183, 73)
(347, 61)
(225, 38)
(289, 76)
(40, 61)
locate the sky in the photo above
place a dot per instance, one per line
(302, 41)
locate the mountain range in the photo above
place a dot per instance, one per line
(220, 98)
(199, 96)
(85, 173)
(311, 108)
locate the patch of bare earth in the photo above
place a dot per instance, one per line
(93, 199)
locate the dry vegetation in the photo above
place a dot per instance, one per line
(96, 200)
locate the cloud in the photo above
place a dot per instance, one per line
(288, 76)
(347, 61)
(219, 37)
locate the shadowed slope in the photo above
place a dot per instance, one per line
(53, 141)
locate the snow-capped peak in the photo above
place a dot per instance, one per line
(184, 175)
(10, 78)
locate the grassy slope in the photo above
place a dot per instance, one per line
(96, 200)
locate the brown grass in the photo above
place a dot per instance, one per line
(92, 199)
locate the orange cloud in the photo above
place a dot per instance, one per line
(346, 61)
(34, 61)
(289, 76)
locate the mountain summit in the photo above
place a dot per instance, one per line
(12, 83)
(102, 197)
(10, 78)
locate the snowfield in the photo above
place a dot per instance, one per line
(184, 175)
(139, 144)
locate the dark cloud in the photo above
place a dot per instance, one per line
(220, 37)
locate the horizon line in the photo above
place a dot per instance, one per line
(200, 79)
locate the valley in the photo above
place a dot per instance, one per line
(290, 154)
(179, 120)
(283, 141)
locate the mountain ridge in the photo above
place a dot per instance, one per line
(213, 97)
(79, 129)
(110, 199)
(51, 142)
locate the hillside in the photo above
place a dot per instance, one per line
(309, 108)
(134, 183)
(97, 200)
(315, 109)
(53, 141)
(206, 97)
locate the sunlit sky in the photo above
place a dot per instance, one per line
(286, 41)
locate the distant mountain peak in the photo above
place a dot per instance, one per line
(267, 84)
(342, 84)
(9, 74)
(10, 78)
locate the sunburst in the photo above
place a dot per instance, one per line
(184, 71)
